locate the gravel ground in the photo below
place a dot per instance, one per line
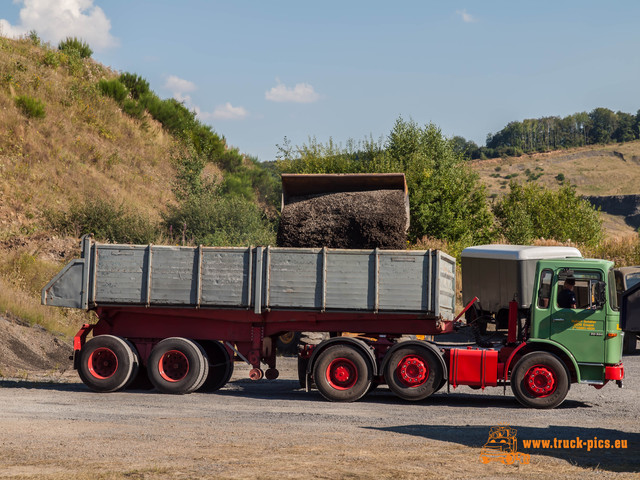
(274, 429)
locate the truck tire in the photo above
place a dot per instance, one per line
(108, 363)
(540, 380)
(413, 373)
(220, 366)
(287, 343)
(177, 365)
(342, 373)
(629, 343)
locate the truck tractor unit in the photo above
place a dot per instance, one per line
(181, 317)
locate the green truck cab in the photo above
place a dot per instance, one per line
(588, 333)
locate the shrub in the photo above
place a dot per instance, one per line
(33, 36)
(31, 107)
(106, 220)
(133, 108)
(137, 85)
(73, 44)
(114, 89)
(51, 59)
(219, 221)
(530, 212)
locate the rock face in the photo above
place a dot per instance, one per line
(373, 219)
(627, 206)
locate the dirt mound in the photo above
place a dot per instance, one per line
(31, 351)
(345, 220)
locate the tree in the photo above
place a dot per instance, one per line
(604, 123)
(531, 211)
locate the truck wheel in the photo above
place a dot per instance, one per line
(220, 366)
(413, 373)
(108, 363)
(540, 380)
(177, 365)
(342, 374)
(287, 343)
(629, 343)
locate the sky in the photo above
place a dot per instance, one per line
(260, 71)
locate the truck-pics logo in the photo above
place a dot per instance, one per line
(502, 446)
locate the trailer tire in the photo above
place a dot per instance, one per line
(413, 373)
(342, 373)
(177, 366)
(540, 380)
(108, 363)
(220, 366)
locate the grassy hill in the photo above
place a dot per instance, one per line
(594, 170)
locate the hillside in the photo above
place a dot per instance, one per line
(594, 170)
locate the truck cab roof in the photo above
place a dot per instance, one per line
(520, 252)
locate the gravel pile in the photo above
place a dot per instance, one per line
(345, 220)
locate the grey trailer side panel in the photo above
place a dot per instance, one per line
(226, 277)
(259, 279)
(121, 274)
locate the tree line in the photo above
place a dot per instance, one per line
(600, 126)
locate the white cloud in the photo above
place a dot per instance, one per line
(300, 93)
(180, 88)
(466, 17)
(54, 20)
(229, 112)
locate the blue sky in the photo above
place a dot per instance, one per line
(257, 71)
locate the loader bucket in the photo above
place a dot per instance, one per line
(296, 185)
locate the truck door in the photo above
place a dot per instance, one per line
(581, 329)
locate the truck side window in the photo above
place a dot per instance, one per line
(581, 292)
(544, 292)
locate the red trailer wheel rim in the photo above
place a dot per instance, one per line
(173, 366)
(540, 381)
(342, 374)
(412, 371)
(102, 363)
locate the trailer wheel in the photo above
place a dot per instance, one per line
(342, 373)
(177, 365)
(108, 363)
(540, 380)
(413, 373)
(220, 366)
(287, 343)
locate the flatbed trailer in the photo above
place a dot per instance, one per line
(180, 316)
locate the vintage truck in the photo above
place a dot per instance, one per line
(182, 315)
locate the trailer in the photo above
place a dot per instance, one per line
(182, 315)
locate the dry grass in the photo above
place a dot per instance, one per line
(84, 147)
(595, 170)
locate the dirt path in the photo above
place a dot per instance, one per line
(276, 430)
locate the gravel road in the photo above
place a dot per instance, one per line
(274, 429)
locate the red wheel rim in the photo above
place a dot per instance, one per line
(173, 366)
(540, 380)
(412, 371)
(102, 363)
(342, 374)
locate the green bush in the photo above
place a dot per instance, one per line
(51, 59)
(113, 88)
(133, 108)
(219, 221)
(34, 37)
(137, 85)
(31, 107)
(73, 44)
(107, 220)
(530, 212)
